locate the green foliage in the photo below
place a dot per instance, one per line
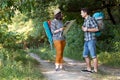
(21, 21)
(26, 22)
(116, 40)
(110, 40)
(75, 6)
(110, 59)
(18, 65)
(74, 43)
(9, 39)
(108, 46)
(44, 53)
(115, 11)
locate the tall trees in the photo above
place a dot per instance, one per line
(8, 7)
(37, 11)
(93, 5)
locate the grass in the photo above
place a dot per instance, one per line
(110, 59)
(18, 65)
(73, 54)
(104, 76)
(44, 52)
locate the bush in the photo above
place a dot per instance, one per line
(110, 59)
(109, 40)
(74, 42)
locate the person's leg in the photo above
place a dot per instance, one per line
(85, 55)
(57, 45)
(63, 43)
(92, 49)
(95, 61)
(88, 63)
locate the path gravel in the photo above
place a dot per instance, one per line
(72, 70)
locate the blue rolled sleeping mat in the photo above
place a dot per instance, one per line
(48, 32)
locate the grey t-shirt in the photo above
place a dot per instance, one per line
(57, 24)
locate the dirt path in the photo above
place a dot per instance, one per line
(72, 70)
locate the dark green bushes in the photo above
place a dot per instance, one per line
(110, 39)
(74, 42)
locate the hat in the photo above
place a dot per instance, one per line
(57, 11)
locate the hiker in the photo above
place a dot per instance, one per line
(58, 38)
(89, 27)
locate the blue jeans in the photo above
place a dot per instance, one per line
(89, 47)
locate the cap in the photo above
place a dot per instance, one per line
(57, 11)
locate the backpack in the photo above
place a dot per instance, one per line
(99, 16)
(46, 25)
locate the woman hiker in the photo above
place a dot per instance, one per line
(58, 38)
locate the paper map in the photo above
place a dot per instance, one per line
(67, 25)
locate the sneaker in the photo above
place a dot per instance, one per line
(86, 71)
(62, 68)
(93, 71)
(57, 69)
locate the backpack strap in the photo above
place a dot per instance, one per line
(49, 22)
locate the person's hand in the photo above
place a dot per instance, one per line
(61, 29)
(58, 30)
(64, 28)
(84, 29)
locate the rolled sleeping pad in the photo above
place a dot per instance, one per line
(48, 32)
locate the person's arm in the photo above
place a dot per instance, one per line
(94, 26)
(92, 29)
(85, 29)
(58, 30)
(54, 29)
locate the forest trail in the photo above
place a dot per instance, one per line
(72, 71)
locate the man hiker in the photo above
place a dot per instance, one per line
(89, 27)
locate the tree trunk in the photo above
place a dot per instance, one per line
(110, 15)
(25, 45)
(109, 12)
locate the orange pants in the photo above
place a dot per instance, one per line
(59, 46)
